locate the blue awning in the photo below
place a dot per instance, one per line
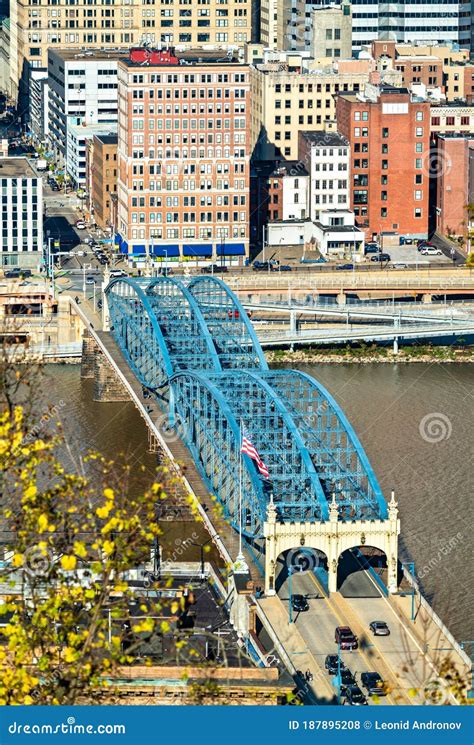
(118, 239)
(230, 249)
(197, 249)
(165, 251)
(138, 250)
(124, 247)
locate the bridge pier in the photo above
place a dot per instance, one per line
(395, 345)
(90, 350)
(107, 387)
(341, 298)
(427, 298)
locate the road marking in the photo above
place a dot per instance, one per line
(362, 654)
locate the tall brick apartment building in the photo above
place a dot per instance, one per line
(389, 133)
(183, 155)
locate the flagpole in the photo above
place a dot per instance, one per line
(240, 492)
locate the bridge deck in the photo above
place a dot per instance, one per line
(180, 454)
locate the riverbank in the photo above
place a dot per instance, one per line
(372, 354)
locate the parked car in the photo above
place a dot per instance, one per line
(354, 696)
(118, 273)
(17, 272)
(379, 628)
(331, 664)
(299, 603)
(284, 268)
(345, 638)
(381, 257)
(90, 280)
(81, 253)
(345, 267)
(424, 244)
(54, 187)
(215, 269)
(399, 265)
(373, 684)
(264, 266)
(431, 251)
(371, 248)
(80, 225)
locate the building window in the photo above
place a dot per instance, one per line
(357, 116)
(418, 178)
(384, 131)
(418, 212)
(419, 116)
(419, 147)
(435, 121)
(418, 195)
(419, 132)
(383, 212)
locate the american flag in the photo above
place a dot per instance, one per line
(249, 449)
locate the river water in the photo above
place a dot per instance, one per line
(416, 424)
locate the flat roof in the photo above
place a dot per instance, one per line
(16, 168)
(107, 139)
(78, 54)
(325, 139)
(191, 57)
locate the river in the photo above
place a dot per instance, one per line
(416, 424)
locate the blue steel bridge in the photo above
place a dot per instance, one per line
(191, 343)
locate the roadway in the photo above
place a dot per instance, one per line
(398, 658)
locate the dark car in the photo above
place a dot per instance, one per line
(299, 603)
(17, 272)
(284, 268)
(373, 684)
(354, 696)
(263, 266)
(346, 267)
(381, 257)
(371, 248)
(331, 664)
(345, 638)
(214, 269)
(347, 678)
(379, 628)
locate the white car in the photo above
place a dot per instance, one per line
(118, 273)
(80, 225)
(431, 251)
(81, 253)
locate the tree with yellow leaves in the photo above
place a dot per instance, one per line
(70, 540)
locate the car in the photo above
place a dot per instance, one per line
(103, 260)
(354, 696)
(431, 251)
(284, 268)
(399, 265)
(54, 187)
(299, 603)
(88, 239)
(17, 273)
(371, 248)
(373, 684)
(214, 269)
(332, 664)
(117, 273)
(424, 244)
(347, 678)
(345, 638)
(406, 241)
(379, 628)
(345, 267)
(80, 225)
(262, 266)
(81, 253)
(90, 280)
(381, 257)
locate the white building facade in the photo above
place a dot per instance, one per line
(76, 158)
(21, 214)
(326, 156)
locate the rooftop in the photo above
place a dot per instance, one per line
(81, 55)
(88, 130)
(108, 139)
(16, 168)
(289, 168)
(325, 139)
(189, 57)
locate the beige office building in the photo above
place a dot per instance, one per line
(293, 93)
(331, 32)
(41, 24)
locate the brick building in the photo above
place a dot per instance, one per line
(455, 182)
(102, 183)
(389, 131)
(183, 155)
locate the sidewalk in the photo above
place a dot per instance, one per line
(296, 648)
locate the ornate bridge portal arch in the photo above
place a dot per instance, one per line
(331, 537)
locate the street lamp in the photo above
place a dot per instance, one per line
(201, 547)
(290, 597)
(84, 267)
